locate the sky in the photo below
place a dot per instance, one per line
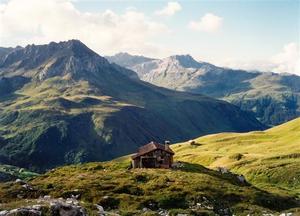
(246, 34)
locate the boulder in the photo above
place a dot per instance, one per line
(64, 209)
(21, 211)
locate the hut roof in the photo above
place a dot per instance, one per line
(151, 147)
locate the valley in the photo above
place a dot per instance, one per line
(65, 104)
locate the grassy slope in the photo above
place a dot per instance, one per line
(274, 98)
(131, 190)
(56, 103)
(268, 159)
(9, 173)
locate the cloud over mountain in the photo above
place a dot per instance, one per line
(285, 61)
(35, 21)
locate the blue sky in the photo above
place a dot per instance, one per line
(237, 33)
(252, 29)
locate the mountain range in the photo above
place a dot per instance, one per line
(274, 98)
(62, 103)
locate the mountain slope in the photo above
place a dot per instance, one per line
(66, 104)
(268, 159)
(274, 98)
(127, 60)
(5, 50)
(191, 189)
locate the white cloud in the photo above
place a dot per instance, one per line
(35, 21)
(170, 9)
(286, 61)
(208, 23)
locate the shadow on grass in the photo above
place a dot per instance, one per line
(197, 168)
(272, 201)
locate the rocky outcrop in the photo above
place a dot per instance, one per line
(49, 206)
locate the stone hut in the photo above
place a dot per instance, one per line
(153, 155)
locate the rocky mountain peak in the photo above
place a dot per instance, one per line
(186, 61)
(53, 59)
(64, 48)
(123, 54)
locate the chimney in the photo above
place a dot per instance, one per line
(167, 143)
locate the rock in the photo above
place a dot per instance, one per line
(3, 213)
(72, 201)
(100, 209)
(223, 170)
(69, 202)
(20, 196)
(67, 209)
(20, 181)
(163, 212)
(75, 196)
(177, 165)
(47, 197)
(58, 207)
(37, 207)
(27, 186)
(241, 179)
(21, 211)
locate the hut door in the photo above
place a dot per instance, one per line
(149, 162)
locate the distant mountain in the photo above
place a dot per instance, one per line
(4, 51)
(62, 103)
(274, 98)
(127, 60)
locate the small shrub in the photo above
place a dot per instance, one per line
(68, 194)
(141, 178)
(149, 214)
(129, 189)
(236, 156)
(175, 188)
(159, 183)
(175, 212)
(172, 201)
(97, 167)
(202, 212)
(150, 204)
(109, 203)
(49, 186)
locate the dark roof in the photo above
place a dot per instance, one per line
(151, 147)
